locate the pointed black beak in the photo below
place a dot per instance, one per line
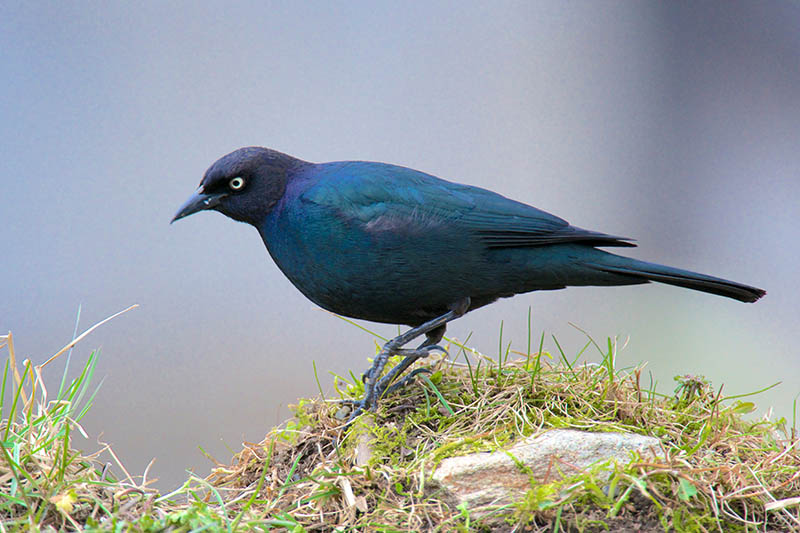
(199, 201)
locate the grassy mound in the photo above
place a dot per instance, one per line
(719, 471)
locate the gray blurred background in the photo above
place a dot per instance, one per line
(677, 124)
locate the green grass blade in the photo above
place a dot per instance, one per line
(69, 356)
(438, 394)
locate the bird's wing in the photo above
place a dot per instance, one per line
(390, 197)
(505, 223)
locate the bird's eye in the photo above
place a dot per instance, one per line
(236, 183)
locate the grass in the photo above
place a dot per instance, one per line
(719, 471)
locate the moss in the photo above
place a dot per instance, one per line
(719, 471)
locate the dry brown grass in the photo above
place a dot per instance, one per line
(719, 471)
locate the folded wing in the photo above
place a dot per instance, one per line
(375, 192)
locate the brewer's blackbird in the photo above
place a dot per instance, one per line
(390, 244)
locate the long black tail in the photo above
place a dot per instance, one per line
(681, 278)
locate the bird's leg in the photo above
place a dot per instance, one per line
(433, 330)
(423, 350)
(411, 356)
(392, 347)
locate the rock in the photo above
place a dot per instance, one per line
(495, 478)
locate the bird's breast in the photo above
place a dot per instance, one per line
(395, 268)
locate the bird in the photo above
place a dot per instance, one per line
(390, 244)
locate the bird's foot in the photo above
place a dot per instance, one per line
(405, 381)
(411, 356)
(429, 348)
(382, 388)
(386, 386)
(375, 388)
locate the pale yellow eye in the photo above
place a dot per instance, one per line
(236, 183)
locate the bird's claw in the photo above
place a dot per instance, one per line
(436, 348)
(375, 387)
(403, 382)
(368, 403)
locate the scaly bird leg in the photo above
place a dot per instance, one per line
(433, 330)
(412, 356)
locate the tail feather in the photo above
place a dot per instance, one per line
(683, 278)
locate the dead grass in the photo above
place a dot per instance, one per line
(719, 471)
(44, 483)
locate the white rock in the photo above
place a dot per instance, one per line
(495, 478)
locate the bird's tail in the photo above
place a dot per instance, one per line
(643, 270)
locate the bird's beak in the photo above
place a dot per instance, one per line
(199, 201)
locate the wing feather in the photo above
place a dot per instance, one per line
(377, 193)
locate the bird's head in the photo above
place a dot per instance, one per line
(244, 185)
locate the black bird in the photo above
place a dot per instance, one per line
(390, 244)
